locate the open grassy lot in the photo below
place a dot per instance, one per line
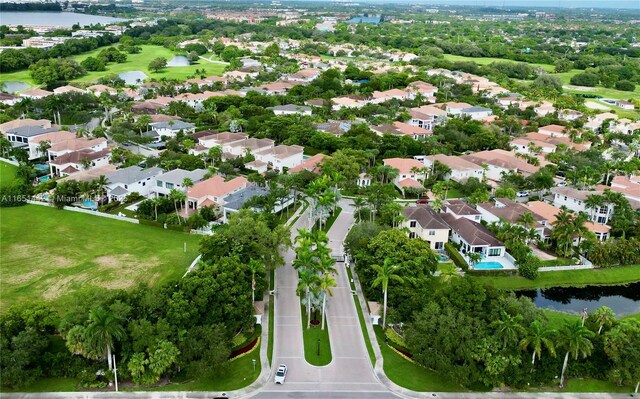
(7, 174)
(317, 348)
(489, 60)
(46, 254)
(17, 76)
(140, 62)
(568, 278)
(411, 375)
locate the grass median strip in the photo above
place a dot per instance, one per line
(271, 316)
(317, 348)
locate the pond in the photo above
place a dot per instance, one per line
(14, 87)
(133, 77)
(622, 299)
(178, 60)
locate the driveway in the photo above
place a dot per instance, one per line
(350, 369)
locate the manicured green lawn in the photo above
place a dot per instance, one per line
(271, 318)
(140, 62)
(17, 76)
(454, 193)
(327, 225)
(47, 254)
(236, 374)
(489, 60)
(315, 339)
(49, 385)
(7, 174)
(411, 375)
(569, 278)
(365, 333)
(557, 262)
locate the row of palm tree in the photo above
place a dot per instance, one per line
(567, 227)
(315, 267)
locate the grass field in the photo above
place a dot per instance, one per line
(140, 62)
(62, 251)
(135, 62)
(489, 60)
(315, 339)
(7, 174)
(568, 278)
(411, 375)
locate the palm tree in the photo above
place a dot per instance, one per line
(100, 183)
(325, 284)
(527, 220)
(508, 327)
(538, 336)
(177, 196)
(605, 317)
(104, 328)
(575, 339)
(308, 281)
(85, 163)
(386, 272)
(215, 154)
(564, 229)
(593, 202)
(448, 273)
(255, 266)
(43, 147)
(305, 259)
(359, 204)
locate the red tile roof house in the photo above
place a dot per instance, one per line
(628, 186)
(501, 161)
(553, 130)
(502, 210)
(549, 212)
(402, 129)
(410, 171)
(52, 138)
(71, 162)
(211, 192)
(461, 169)
(311, 164)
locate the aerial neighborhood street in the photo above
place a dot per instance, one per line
(319, 199)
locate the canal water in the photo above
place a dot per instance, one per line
(622, 299)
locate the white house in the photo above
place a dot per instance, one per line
(476, 112)
(410, 172)
(502, 210)
(132, 179)
(173, 179)
(172, 128)
(72, 162)
(211, 192)
(461, 169)
(281, 157)
(291, 109)
(575, 200)
(474, 237)
(425, 223)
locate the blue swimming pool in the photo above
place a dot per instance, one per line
(488, 266)
(89, 204)
(42, 167)
(43, 178)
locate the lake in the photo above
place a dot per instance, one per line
(53, 18)
(133, 77)
(178, 60)
(622, 299)
(13, 87)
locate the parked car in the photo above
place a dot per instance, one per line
(422, 201)
(522, 194)
(281, 374)
(562, 184)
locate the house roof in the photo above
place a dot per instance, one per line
(224, 137)
(132, 174)
(282, 151)
(216, 186)
(36, 93)
(76, 156)
(173, 125)
(239, 198)
(119, 190)
(31, 131)
(91, 174)
(409, 182)
(473, 233)
(508, 210)
(401, 129)
(629, 186)
(311, 164)
(460, 207)
(549, 212)
(454, 162)
(177, 176)
(502, 159)
(431, 110)
(76, 143)
(54, 137)
(253, 143)
(553, 128)
(475, 109)
(292, 108)
(404, 165)
(426, 217)
(574, 193)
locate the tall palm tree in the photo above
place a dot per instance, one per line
(388, 271)
(538, 336)
(576, 340)
(564, 231)
(325, 284)
(605, 317)
(527, 220)
(359, 204)
(103, 330)
(43, 147)
(508, 328)
(308, 281)
(177, 196)
(448, 273)
(215, 154)
(593, 202)
(255, 266)
(85, 163)
(101, 182)
(305, 259)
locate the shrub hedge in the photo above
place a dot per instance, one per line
(456, 257)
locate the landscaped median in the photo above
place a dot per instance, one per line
(317, 348)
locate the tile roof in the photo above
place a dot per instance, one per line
(216, 186)
(473, 233)
(508, 210)
(426, 217)
(132, 174)
(460, 207)
(404, 165)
